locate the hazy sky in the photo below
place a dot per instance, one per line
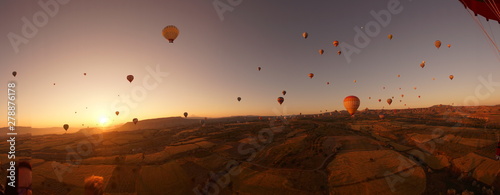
(214, 60)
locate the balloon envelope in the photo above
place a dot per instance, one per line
(185, 114)
(437, 44)
(389, 101)
(66, 126)
(170, 33)
(351, 104)
(336, 43)
(305, 35)
(389, 36)
(135, 120)
(311, 75)
(321, 51)
(130, 78)
(283, 92)
(281, 100)
(117, 113)
(14, 73)
(239, 99)
(451, 77)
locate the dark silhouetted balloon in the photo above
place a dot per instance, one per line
(130, 78)
(66, 126)
(135, 120)
(14, 73)
(281, 100)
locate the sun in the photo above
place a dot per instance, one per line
(103, 120)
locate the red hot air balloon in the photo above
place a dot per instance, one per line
(311, 75)
(281, 100)
(130, 78)
(351, 103)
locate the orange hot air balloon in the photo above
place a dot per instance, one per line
(422, 65)
(14, 73)
(379, 100)
(311, 75)
(402, 95)
(336, 43)
(389, 101)
(66, 126)
(130, 78)
(281, 100)
(433, 78)
(389, 36)
(381, 116)
(399, 75)
(437, 43)
(351, 104)
(369, 98)
(305, 35)
(170, 33)
(449, 45)
(185, 114)
(239, 99)
(283, 92)
(339, 52)
(321, 52)
(451, 77)
(354, 81)
(415, 88)
(135, 120)
(117, 113)
(259, 68)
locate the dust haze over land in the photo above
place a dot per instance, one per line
(410, 151)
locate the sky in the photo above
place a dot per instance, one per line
(214, 60)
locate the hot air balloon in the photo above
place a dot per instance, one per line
(311, 75)
(54, 84)
(402, 95)
(383, 87)
(66, 126)
(321, 52)
(437, 43)
(117, 113)
(14, 73)
(433, 78)
(135, 120)
(399, 75)
(354, 81)
(185, 114)
(283, 92)
(449, 45)
(336, 43)
(258, 68)
(451, 77)
(239, 99)
(389, 101)
(415, 88)
(418, 96)
(281, 100)
(422, 65)
(304, 34)
(339, 52)
(381, 116)
(170, 33)
(130, 78)
(351, 104)
(84, 74)
(379, 100)
(327, 83)
(389, 36)
(369, 98)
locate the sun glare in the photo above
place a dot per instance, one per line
(103, 121)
